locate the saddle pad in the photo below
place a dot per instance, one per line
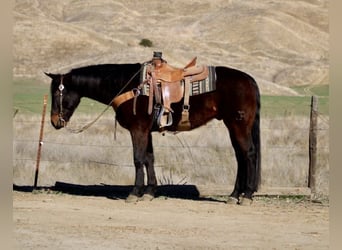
(206, 85)
(197, 87)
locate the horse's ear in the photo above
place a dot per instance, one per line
(52, 76)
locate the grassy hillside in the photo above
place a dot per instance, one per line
(282, 43)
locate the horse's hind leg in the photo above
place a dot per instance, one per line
(245, 155)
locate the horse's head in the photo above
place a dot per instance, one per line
(64, 99)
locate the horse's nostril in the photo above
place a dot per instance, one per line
(57, 122)
(61, 122)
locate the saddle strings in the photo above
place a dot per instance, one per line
(77, 131)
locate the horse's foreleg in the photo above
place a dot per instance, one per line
(139, 141)
(151, 176)
(139, 179)
(143, 156)
(138, 183)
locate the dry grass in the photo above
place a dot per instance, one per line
(202, 156)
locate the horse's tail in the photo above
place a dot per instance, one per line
(257, 144)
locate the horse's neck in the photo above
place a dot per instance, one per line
(104, 88)
(97, 89)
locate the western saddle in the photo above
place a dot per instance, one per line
(165, 84)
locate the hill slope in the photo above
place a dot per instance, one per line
(281, 43)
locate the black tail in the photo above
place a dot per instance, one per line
(257, 144)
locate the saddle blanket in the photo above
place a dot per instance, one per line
(197, 87)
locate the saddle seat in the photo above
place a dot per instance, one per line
(174, 91)
(167, 73)
(172, 79)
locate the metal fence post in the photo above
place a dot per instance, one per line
(40, 143)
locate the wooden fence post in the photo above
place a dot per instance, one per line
(40, 141)
(313, 145)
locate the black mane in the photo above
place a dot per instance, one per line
(104, 69)
(104, 80)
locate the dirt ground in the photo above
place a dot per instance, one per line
(55, 220)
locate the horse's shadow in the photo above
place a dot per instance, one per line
(116, 192)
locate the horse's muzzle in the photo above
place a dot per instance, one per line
(57, 121)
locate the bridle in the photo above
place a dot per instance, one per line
(60, 114)
(76, 131)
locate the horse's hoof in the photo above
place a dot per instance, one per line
(146, 197)
(131, 199)
(232, 200)
(245, 201)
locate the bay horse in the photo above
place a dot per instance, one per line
(236, 101)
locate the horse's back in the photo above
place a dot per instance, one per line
(233, 77)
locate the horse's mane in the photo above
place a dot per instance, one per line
(104, 69)
(106, 79)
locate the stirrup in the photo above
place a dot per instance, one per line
(163, 120)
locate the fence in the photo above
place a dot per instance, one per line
(201, 157)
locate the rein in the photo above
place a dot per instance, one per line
(77, 131)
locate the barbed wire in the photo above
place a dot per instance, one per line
(273, 123)
(270, 147)
(325, 119)
(106, 123)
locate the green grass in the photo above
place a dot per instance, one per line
(319, 90)
(89, 106)
(274, 106)
(28, 95)
(296, 105)
(28, 98)
(322, 91)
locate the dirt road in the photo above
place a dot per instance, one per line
(62, 221)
